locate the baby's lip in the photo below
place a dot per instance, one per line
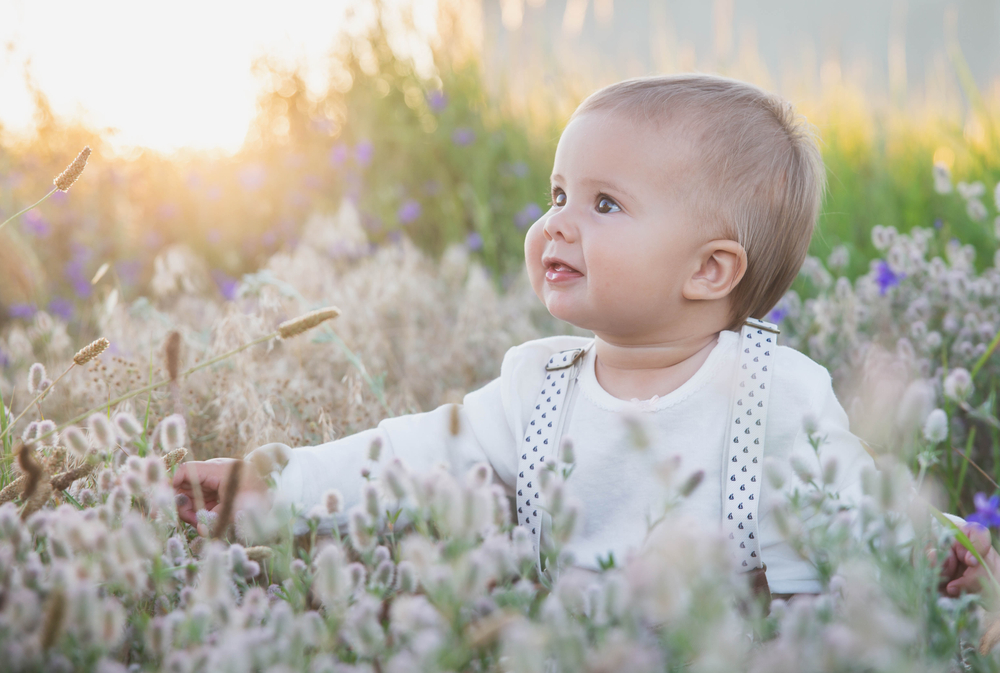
(553, 262)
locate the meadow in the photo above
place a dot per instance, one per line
(403, 202)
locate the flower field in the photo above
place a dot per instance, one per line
(188, 277)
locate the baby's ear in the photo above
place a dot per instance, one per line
(719, 267)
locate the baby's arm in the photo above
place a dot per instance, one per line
(457, 436)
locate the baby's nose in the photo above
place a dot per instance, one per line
(560, 225)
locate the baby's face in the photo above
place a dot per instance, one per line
(613, 251)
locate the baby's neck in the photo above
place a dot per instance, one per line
(640, 371)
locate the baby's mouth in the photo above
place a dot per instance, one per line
(558, 272)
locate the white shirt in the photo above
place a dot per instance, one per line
(616, 483)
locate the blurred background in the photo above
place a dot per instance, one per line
(220, 130)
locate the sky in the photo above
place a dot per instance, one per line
(137, 66)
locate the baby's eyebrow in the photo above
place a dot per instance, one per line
(598, 182)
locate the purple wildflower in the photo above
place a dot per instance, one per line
(227, 285)
(519, 169)
(23, 311)
(777, 314)
(59, 198)
(437, 100)
(128, 271)
(885, 277)
(4, 360)
(527, 215)
(463, 136)
(938, 223)
(363, 152)
(408, 212)
(61, 307)
(36, 224)
(474, 241)
(396, 237)
(338, 154)
(986, 513)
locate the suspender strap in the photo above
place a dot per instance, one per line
(541, 438)
(745, 460)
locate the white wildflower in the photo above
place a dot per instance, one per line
(936, 426)
(975, 209)
(173, 432)
(958, 384)
(970, 190)
(839, 258)
(74, 439)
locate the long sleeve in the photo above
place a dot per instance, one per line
(421, 441)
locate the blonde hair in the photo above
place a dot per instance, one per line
(759, 173)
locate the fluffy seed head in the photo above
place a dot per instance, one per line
(75, 441)
(88, 353)
(958, 384)
(333, 501)
(305, 322)
(36, 374)
(375, 449)
(101, 431)
(66, 179)
(370, 493)
(128, 425)
(406, 577)
(936, 426)
(172, 433)
(174, 457)
(384, 573)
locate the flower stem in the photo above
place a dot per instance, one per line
(15, 215)
(982, 360)
(35, 401)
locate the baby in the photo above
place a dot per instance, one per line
(681, 207)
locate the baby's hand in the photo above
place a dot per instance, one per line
(961, 571)
(209, 481)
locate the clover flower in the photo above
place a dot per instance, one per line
(958, 384)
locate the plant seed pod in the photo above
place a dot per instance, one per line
(102, 433)
(65, 480)
(88, 353)
(66, 179)
(172, 354)
(173, 432)
(174, 457)
(259, 553)
(296, 326)
(229, 499)
(77, 442)
(36, 374)
(406, 577)
(55, 612)
(128, 425)
(370, 496)
(384, 573)
(13, 489)
(47, 429)
(333, 501)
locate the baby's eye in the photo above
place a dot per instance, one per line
(558, 197)
(605, 205)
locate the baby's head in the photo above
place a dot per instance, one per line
(680, 204)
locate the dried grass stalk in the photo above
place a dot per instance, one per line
(88, 353)
(66, 479)
(229, 501)
(72, 172)
(13, 489)
(55, 613)
(305, 322)
(172, 354)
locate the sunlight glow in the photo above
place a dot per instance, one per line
(164, 76)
